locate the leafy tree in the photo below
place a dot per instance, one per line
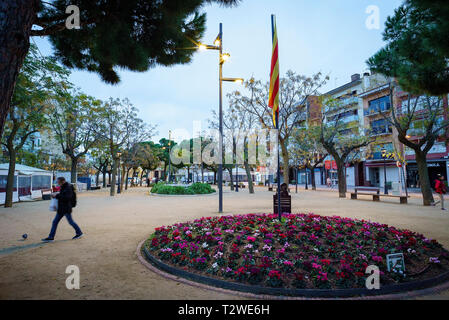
(139, 132)
(305, 148)
(57, 163)
(148, 158)
(29, 109)
(118, 127)
(135, 35)
(74, 117)
(165, 145)
(340, 139)
(294, 90)
(238, 125)
(101, 160)
(420, 122)
(417, 49)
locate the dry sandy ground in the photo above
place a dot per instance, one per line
(113, 228)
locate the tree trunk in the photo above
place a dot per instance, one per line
(232, 179)
(126, 178)
(97, 178)
(73, 170)
(16, 20)
(202, 173)
(10, 179)
(113, 180)
(285, 162)
(250, 178)
(341, 179)
(312, 177)
(104, 178)
(141, 178)
(424, 179)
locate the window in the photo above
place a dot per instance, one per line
(41, 182)
(380, 127)
(379, 105)
(4, 181)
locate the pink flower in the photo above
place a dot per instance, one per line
(316, 266)
(322, 276)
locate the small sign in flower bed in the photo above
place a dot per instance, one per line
(196, 188)
(304, 251)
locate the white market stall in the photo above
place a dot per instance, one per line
(29, 182)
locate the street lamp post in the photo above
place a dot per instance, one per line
(169, 157)
(223, 57)
(307, 184)
(236, 177)
(297, 177)
(119, 189)
(384, 156)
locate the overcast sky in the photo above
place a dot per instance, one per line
(330, 36)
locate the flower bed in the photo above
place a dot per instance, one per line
(302, 252)
(196, 188)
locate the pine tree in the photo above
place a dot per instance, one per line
(417, 49)
(133, 34)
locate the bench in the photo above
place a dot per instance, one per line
(286, 204)
(375, 192)
(368, 191)
(402, 199)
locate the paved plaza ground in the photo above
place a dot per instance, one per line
(114, 227)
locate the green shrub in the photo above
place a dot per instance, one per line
(196, 188)
(157, 187)
(201, 188)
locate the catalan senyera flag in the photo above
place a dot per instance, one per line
(273, 101)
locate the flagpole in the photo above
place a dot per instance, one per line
(277, 127)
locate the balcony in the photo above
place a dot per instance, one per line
(349, 101)
(376, 112)
(380, 131)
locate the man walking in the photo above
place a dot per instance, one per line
(440, 188)
(66, 201)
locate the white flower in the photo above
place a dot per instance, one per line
(215, 265)
(205, 245)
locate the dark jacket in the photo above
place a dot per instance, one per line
(65, 199)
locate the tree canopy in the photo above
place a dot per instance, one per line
(417, 49)
(135, 34)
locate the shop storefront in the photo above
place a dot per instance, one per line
(435, 168)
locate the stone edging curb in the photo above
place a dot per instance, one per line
(224, 287)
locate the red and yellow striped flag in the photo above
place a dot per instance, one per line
(273, 101)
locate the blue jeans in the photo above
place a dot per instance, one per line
(58, 218)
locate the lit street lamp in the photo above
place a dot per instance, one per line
(223, 57)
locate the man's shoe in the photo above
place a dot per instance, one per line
(48, 239)
(443, 209)
(77, 236)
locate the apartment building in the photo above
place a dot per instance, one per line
(377, 96)
(378, 100)
(438, 156)
(351, 113)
